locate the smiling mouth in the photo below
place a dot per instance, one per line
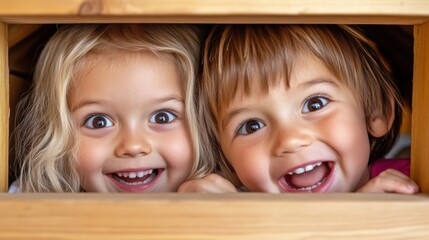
(308, 177)
(136, 178)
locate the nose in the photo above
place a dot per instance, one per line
(133, 143)
(292, 138)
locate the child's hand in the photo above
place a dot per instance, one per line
(390, 181)
(212, 183)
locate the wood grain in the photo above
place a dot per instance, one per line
(4, 108)
(206, 216)
(420, 115)
(216, 11)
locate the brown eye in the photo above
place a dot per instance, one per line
(314, 104)
(98, 121)
(162, 117)
(250, 127)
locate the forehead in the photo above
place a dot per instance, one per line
(305, 67)
(308, 68)
(114, 73)
(111, 59)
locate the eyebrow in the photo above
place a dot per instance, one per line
(231, 115)
(318, 81)
(167, 98)
(83, 103)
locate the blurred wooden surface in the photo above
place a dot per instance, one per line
(4, 107)
(223, 216)
(420, 114)
(216, 11)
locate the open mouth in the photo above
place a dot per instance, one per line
(136, 178)
(309, 177)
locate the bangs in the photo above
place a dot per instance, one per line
(249, 61)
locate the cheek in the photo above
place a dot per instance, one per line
(251, 163)
(351, 144)
(90, 156)
(348, 137)
(345, 129)
(177, 150)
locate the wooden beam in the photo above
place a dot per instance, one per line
(4, 108)
(214, 216)
(216, 11)
(420, 114)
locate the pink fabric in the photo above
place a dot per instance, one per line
(379, 165)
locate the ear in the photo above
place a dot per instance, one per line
(380, 124)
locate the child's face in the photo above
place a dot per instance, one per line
(311, 137)
(130, 115)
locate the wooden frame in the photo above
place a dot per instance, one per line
(4, 98)
(205, 216)
(237, 216)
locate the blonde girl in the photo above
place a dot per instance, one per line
(111, 110)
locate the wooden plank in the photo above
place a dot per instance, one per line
(218, 19)
(420, 116)
(210, 216)
(216, 11)
(4, 108)
(220, 7)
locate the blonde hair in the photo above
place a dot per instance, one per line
(46, 139)
(245, 58)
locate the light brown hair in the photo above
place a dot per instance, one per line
(242, 58)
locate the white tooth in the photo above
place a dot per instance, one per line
(319, 163)
(125, 174)
(140, 174)
(119, 174)
(148, 171)
(132, 175)
(299, 170)
(149, 179)
(290, 173)
(308, 168)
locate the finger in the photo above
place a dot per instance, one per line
(390, 183)
(221, 182)
(400, 177)
(212, 183)
(396, 173)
